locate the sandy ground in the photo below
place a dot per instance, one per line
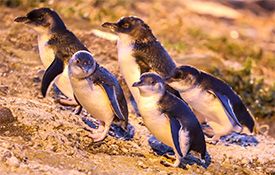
(47, 138)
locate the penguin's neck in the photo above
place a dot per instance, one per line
(127, 63)
(148, 103)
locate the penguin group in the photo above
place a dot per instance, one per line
(173, 101)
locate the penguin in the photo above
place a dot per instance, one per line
(169, 118)
(56, 46)
(98, 91)
(222, 108)
(139, 51)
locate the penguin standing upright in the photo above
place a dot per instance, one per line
(98, 91)
(169, 118)
(56, 46)
(139, 52)
(214, 96)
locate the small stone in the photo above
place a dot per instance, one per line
(142, 165)
(4, 90)
(6, 116)
(70, 153)
(244, 161)
(13, 161)
(6, 155)
(124, 150)
(188, 166)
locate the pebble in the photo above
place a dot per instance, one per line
(142, 165)
(244, 161)
(4, 90)
(6, 116)
(13, 161)
(6, 155)
(124, 150)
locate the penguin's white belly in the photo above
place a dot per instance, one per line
(128, 67)
(94, 99)
(64, 85)
(46, 53)
(156, 122)
(47, 56)
(205, 103)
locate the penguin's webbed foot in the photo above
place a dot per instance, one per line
(66, 102)
(97, 137)
(102, 135)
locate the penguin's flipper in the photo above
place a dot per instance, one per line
(228, 107)
(112, 95)
(51, 73)
(175, 129)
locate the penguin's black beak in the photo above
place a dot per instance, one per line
(111, 26)
(22, 19)
(137, 84)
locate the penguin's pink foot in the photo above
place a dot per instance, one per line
(66, 102)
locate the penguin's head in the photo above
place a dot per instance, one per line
(132, 26)
(42, 20)
(182, 72)
(182, 77)
(150, 84)
(82, 64)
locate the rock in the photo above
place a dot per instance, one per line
(142, 165)
(13, 161)
(6, 116)
(4, 90)
(6, 155)
(244, 161)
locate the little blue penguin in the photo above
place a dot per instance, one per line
(169, 118)
(98, 91)
(139, 51)
(56, 46)
(213, 100)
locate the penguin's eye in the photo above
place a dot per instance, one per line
(77, 61)
(40, 18)
(125, 25)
